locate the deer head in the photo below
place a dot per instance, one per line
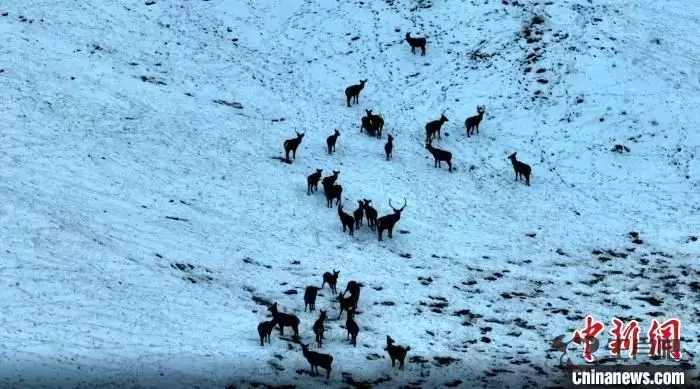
(300, 136)
(443, 118)
(369, 112)
(323, 314)
(390, 138)
(362, 82)
(480, 109)
(272, 308)
(397, 212)
(337, 133)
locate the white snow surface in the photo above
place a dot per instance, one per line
(117, 165)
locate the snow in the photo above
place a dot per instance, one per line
(112, 178)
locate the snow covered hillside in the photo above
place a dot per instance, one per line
(147, 224)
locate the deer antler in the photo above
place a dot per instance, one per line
(404, 204)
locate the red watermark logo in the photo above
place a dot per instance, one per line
(662, 340)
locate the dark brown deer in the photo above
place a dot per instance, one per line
(265, 329)
(319, 329)
(434, 127)
(396, 353)
(473, 122)
(371, 215)
(312, 181)
(521, 169)
(354, 288)
(310, 297)
(331, 279)
(317, 359)
(332, 191)
(389, 147)
(416, 42)
(387, 222)
(330, 141)
(345, 303)
(374, 124)
(352, 327)
(284, 320)
(359, 214)
(292, 144)
(347, 220)
(330, 180)
(353, 92)
(440, 155)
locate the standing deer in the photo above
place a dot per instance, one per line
(317, 359)
(330, 141)
(389, 147)
(521, 169)
(374, 124)
(359, 214)
(353, 92)
(473, 122)
(331, 279)
(352, 327)
(312, 181)
(284, 320)
(416, 42)
(319, 329)
(347, 220)
(434, 127)
(292, 144)
(396, 353)
(333, 191)
(310, 298)
(440, 155)
(330, 179)
(387, 222)
(371, 215)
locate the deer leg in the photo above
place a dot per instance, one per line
(423, 48)
(449, 164)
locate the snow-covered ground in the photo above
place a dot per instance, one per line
(145, 227)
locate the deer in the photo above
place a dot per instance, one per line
(354, 288)
(284, 320)
(389, 147)
(292, 144)
(396, 353)
(416, 42)
(434, 127)
(387, 222)
(353, 92)
(330, 180)
(265, 329)
(521, 169)
(333, 192)
(319, 328)
(310, 297)
(359, 214)
(345, 303)
(352, 327)
(370, 214)
(330, 141)
(473, 122)
(331, 279)
(374, 124)
(317, 359)
(347, 220)
(440, 155)
(312, 181)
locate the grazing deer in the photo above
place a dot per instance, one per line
(352, 327)
(359, 214)
(312, 181)
(371, 215)
(317, 359)
(396, 353)
(284, 320)
(331, 279)
(440, 155)
(521, 169)
(389, 147)
(416, 42)
(473, 122)
(387, 222)
(292, 144)
(354, 288)
(319, 329)
(310, 297)
(353, 92)
(332, 191)
(347, 220)
(265, 329)
(330, 141)
(434, 127)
